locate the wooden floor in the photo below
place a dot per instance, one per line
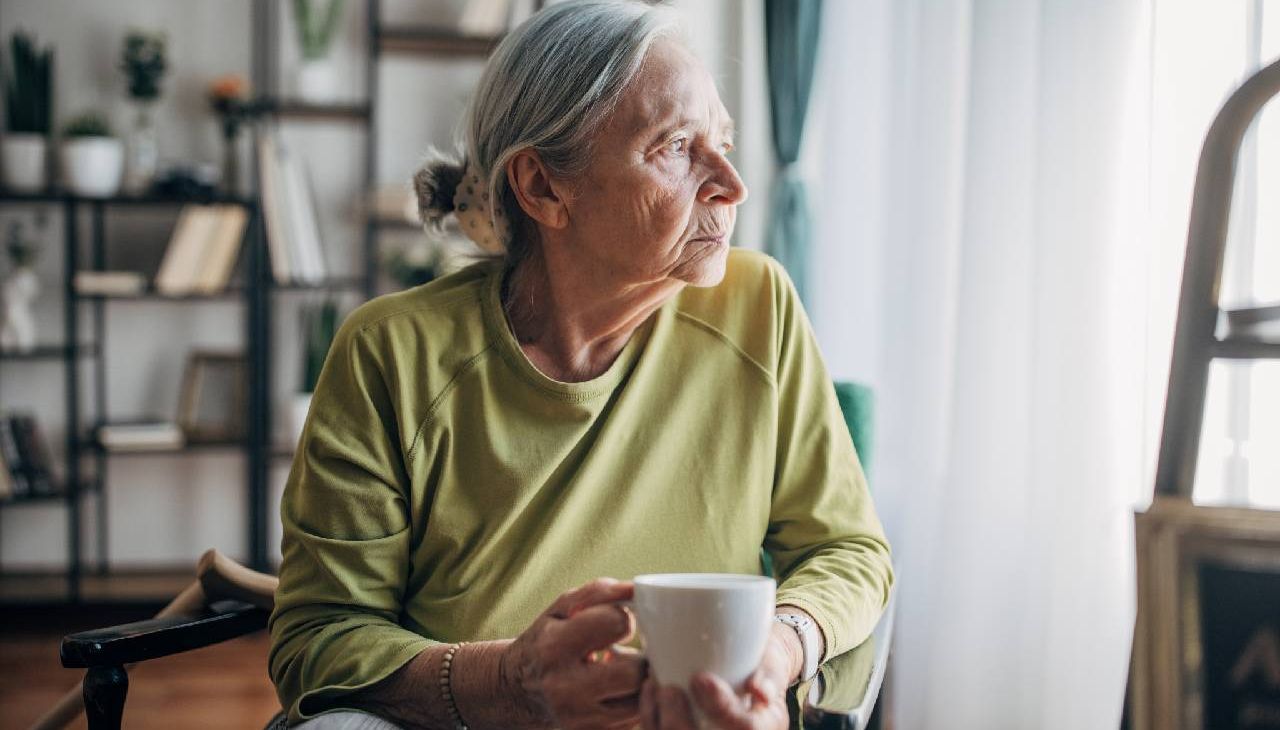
(224, 686)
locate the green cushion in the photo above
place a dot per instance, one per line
(858, 405)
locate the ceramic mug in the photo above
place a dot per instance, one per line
(703, 622)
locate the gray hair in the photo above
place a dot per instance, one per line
(549, 86)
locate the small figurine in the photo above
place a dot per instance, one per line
(18, 293)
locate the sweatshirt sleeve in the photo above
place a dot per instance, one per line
(346, 540)
(827, 544)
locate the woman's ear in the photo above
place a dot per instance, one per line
(538, 195)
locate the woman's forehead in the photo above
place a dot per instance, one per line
(672, 88)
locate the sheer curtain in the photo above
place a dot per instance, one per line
(981, 260)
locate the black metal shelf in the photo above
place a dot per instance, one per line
(189, 447)
(396, 224)
(62, 196)
(151, 295)
(354, 111)
(86, 487)
(336, 283)
(431, 41)
(51, 352)
(232, 291)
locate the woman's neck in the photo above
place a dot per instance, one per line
(572, 323)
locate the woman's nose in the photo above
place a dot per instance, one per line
(723, 185)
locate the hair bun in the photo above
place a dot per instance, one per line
(435, 185)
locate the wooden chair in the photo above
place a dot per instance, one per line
(225, 601)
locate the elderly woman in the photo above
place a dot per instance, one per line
(618, 393)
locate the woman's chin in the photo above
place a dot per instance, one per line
(706, 266)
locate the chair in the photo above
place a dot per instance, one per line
(228, 600)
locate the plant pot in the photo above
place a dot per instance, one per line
(92, 166)
(299, 407)
(24, 162)
(317, 81)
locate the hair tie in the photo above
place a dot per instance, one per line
(480, 218)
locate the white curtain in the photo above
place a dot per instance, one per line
(982, 264)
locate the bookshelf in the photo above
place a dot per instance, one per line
(86, 463)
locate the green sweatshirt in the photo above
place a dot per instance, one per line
(445, 490)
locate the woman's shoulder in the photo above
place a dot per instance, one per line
(427, 331)
(747, 308)
(435, 302)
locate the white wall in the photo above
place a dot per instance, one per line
(165, 510)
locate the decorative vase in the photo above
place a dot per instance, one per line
(231, 160)
(93, 166)
(19, 292)
(142, 150)
(24, 162)
(316, 80)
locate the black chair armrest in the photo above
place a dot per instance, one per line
(849, 684)
(142, 640)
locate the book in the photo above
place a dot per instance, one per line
(12, 457)
(34, 454)
(274, 207)
(140, 436)
(180, 267)
(6, 481)
(222, 248)
(109, 283)
(304, 228)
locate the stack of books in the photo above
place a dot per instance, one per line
(110, 283)
(288, 203)
(25, 466)
(140, 436)
(202, 250)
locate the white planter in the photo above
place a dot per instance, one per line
(299, 407)
(93, 166)
(24, 162)
(317, 81)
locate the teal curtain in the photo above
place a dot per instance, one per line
(791, 43)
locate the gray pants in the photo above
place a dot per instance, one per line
(347, 720)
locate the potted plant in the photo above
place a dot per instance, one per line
(143, 62)
(319, 324)
(317, 23)
(229, 99)
(92, 159)
(28, 99)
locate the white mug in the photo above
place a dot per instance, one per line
(704, 622)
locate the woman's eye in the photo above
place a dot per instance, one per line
(678, 146)
(726, 147)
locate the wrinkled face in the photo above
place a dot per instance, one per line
(659, 198)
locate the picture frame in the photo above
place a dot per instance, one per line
(1207, 640)
(213, 403)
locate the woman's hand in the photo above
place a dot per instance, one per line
(762, 707)
(566, 666)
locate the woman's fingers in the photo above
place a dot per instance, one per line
(619, 677)
(649, 705)
(598, 627)
(674, 712)
(718, 702)
(600, 590)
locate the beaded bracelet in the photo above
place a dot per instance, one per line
(446, 687)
